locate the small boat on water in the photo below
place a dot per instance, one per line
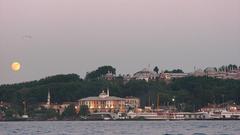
(106, 118)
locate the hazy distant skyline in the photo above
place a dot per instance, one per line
(51, 37)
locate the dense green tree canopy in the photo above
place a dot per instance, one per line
(228, 67)
(70, 111)
(84, 111)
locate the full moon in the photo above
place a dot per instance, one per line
(16, 66)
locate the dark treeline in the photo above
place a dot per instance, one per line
(189, 93)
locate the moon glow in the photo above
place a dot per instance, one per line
(16, 66)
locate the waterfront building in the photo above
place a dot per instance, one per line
(104, 103)
(133, 102)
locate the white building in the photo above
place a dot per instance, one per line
(198, 73)
(145, 74)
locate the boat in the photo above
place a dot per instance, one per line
(152, 116)
(106, 118)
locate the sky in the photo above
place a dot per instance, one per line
(50, 37)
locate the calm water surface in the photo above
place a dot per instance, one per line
(121, 127)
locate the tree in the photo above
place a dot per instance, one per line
(84, 110)
(156, 69)
(60, 78)
(9, 113)
(174, 71)
(230, 67)
(235, 67)
(50, 113)
(44, 114)
(178, 71)
(100, 72)
(70, 111)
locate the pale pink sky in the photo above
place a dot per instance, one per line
(74, 36)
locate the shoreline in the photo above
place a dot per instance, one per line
(125, 120)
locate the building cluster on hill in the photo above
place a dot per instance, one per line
(222, 74)
(147, 75)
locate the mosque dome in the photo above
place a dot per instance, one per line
(198, 72)
(145, 74)
(210, 70)
(103, 94)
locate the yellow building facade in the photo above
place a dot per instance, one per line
(104, 103)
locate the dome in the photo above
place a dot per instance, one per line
(210, 70)
(198, 72)
(145, 74)
(103, 94)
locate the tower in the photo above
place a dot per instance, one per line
(49, 99)
(24, 108)
(108, 92)
(25, 116)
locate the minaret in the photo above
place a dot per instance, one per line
(25, 116)
(24, 108)
(108, 92)
(49, 99)
(148, 67)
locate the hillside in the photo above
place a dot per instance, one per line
(190, 93)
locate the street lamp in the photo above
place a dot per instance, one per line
(173, 100)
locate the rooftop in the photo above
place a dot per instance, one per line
(103, 96)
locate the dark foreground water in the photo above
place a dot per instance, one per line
(121, 127)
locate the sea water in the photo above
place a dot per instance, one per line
(120, 128)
